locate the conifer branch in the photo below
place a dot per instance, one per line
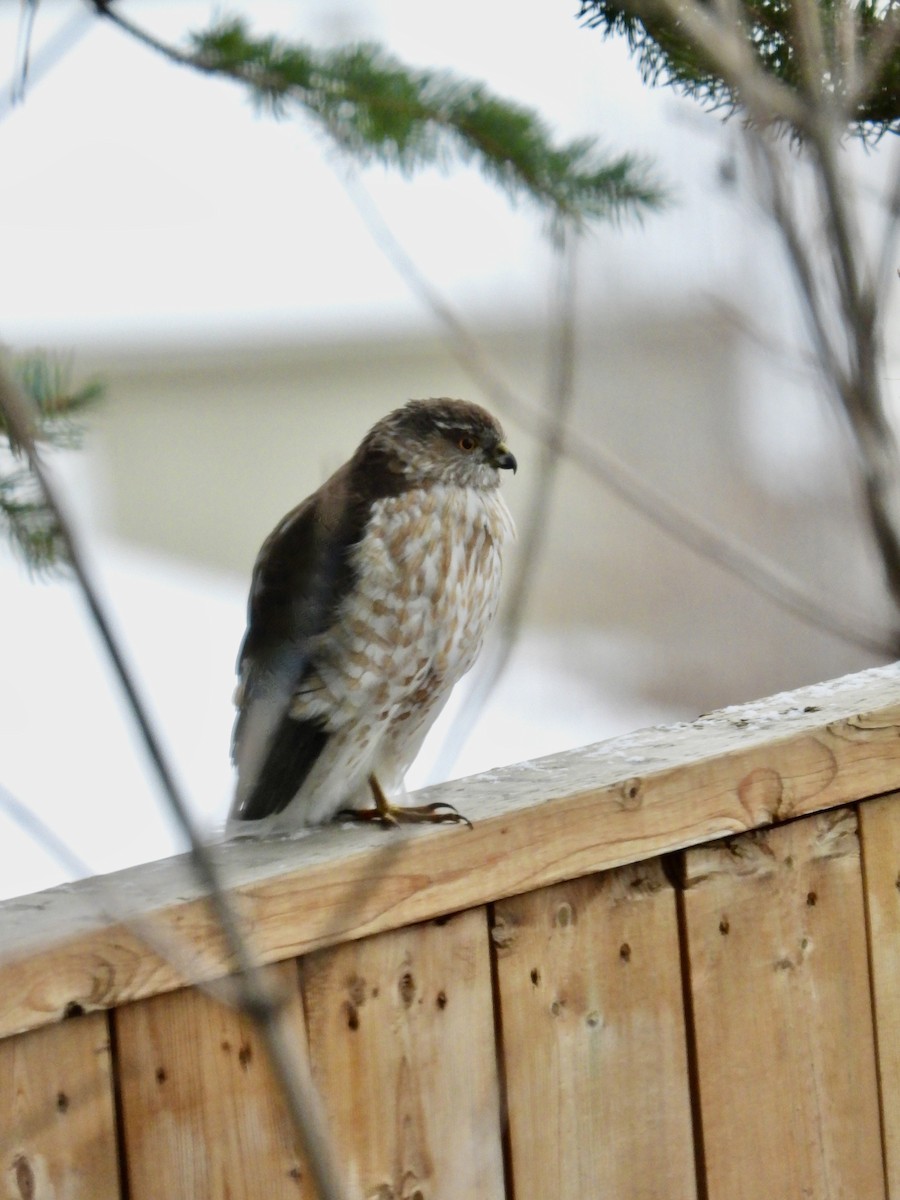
(859, 67)
(378, 110)
(26, 520)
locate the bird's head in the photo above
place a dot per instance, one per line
(442, 441)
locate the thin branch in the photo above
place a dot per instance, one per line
(256, 997)
(47, 839)
(104, 8)
(817, 115)
(881, 49)
(812, 58)
(42, 60)
(41, 833)
(887, 264)
(23, 51)
(785, 221)
(755, 569)
(860, 388)
(847, 56)
(766, 99)
(535, 527)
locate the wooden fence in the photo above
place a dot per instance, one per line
(664, 967)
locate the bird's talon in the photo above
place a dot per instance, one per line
(392, 816)
(452, 816)
(369, 816)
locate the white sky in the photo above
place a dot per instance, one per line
(143, 201)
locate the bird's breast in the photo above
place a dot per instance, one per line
(426, 585)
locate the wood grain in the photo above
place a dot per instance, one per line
(142, 932)
(201, 1112)
(594, 1041)
(880, 835)
(57, 1120)
(783, 1022)
(401, 1042)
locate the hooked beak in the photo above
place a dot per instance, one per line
(503, 458)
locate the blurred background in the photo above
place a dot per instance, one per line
(208, 264)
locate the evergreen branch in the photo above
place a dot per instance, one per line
(378, 110)
(26, 521)
(668, 52)
(58, 405)
(27, 524)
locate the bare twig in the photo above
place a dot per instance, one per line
(41, 61)
(843, 311)
(813, 60)
(44, 836)
(886, 273)
(496, 655)
(755, 569)
(41, 833)
(23, 51)
(785, 218)
(256, 998)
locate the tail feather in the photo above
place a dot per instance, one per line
(290, 756)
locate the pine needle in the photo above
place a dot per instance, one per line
(26, 522)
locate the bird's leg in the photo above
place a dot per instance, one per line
(439, 813)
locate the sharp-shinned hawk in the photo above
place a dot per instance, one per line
(368, 602)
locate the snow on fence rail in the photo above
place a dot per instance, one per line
(664, 966)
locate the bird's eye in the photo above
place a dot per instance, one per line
(467, 443)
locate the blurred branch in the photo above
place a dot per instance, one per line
(41, 834)
(255, 997)
(886, 270)
(375, 109)
(23, 51)
(755, 569)
(535, 527)
(790, 62)
(39, 62)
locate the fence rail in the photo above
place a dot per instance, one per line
(664, 966)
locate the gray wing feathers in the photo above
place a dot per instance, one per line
(298, 580)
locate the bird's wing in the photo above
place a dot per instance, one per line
(299, 578)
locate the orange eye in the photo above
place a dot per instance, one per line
(467, 443)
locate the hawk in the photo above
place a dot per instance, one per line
(368, 602)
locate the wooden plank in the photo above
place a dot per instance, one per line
(401, 1043)
(201, 1112)
(594, 1042)
(880, 835)
(783, 1023)
(536, 824)
(57, 1118)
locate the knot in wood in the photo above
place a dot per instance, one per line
(407, 988)
(503, 930)
(760, 793)
(24, 1175)
(632, 793)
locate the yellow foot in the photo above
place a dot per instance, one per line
(439, 813)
